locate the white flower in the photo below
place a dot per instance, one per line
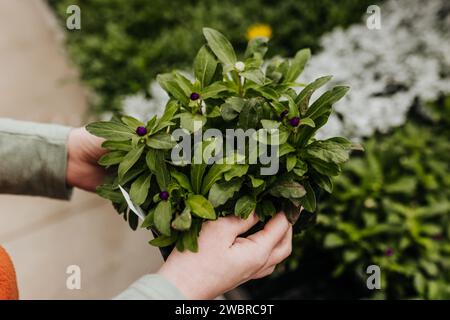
(141, 108)
(388, 70)
(239, 66)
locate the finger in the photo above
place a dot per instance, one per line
(264, 273)
(272, 233)
(231, 227)
(281, 251)
(239, 225)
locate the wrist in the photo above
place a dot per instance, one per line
(186, 282)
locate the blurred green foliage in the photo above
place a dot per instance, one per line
(391, 208)
(123, 44)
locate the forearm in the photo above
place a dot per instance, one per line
(33, 159)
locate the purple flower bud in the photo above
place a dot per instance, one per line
(284, 113)
(295, 121)
(141, 131)
(388, 252)
(164, 195)
(195, 96)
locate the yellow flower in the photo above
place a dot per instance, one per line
(259, 31)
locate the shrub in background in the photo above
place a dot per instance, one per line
(390, 207)
(123, 44)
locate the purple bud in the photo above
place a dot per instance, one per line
(295, 121)
(388, 252)
(284, 113)
(195, 96)
(164, 195)
(141, 131)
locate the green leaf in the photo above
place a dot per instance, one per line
(183, 221)
(201, 207)
(133, 220)
(151, 160)
(189, 238)
(139, 189)
(184, 83)
(255, 75)
(323, 104)
(237, 170)
(251, 114)
(287, 188)
(161, 140)
(309, 200)
(325, 168)
(108, 192)
(214, 174)
(284, 149)
(245, 206)
(129, 160)
(197, 172)
(109, 130)
(220, 45)
(328, 151)
(163, 241)
(163, 215)
(231, 108)
(129, 176)
(297, 65)
(213, 90)
(302, 100)
(131, 122)
(149, 219)
(301, 167)
(157, 165)
(165, 120)
(221, 192)
(204, 66)
(333, 240)
(291, 161)
(152, 122)
(307, 122)
(111, 158)
(182, 179)
(265, 209)
(267, 92)
(256, 182)
(187, 121)
(270, 124)
(168, 83)
(324, 182)
(117, 145)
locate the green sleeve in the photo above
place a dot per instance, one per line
(33, 159)
(151, 287)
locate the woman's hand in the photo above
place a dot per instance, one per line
(84, 150)
(225, 260)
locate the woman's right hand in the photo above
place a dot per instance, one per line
(225, 260)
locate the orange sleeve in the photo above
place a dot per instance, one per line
(8, 283)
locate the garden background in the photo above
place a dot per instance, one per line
(391, 206)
